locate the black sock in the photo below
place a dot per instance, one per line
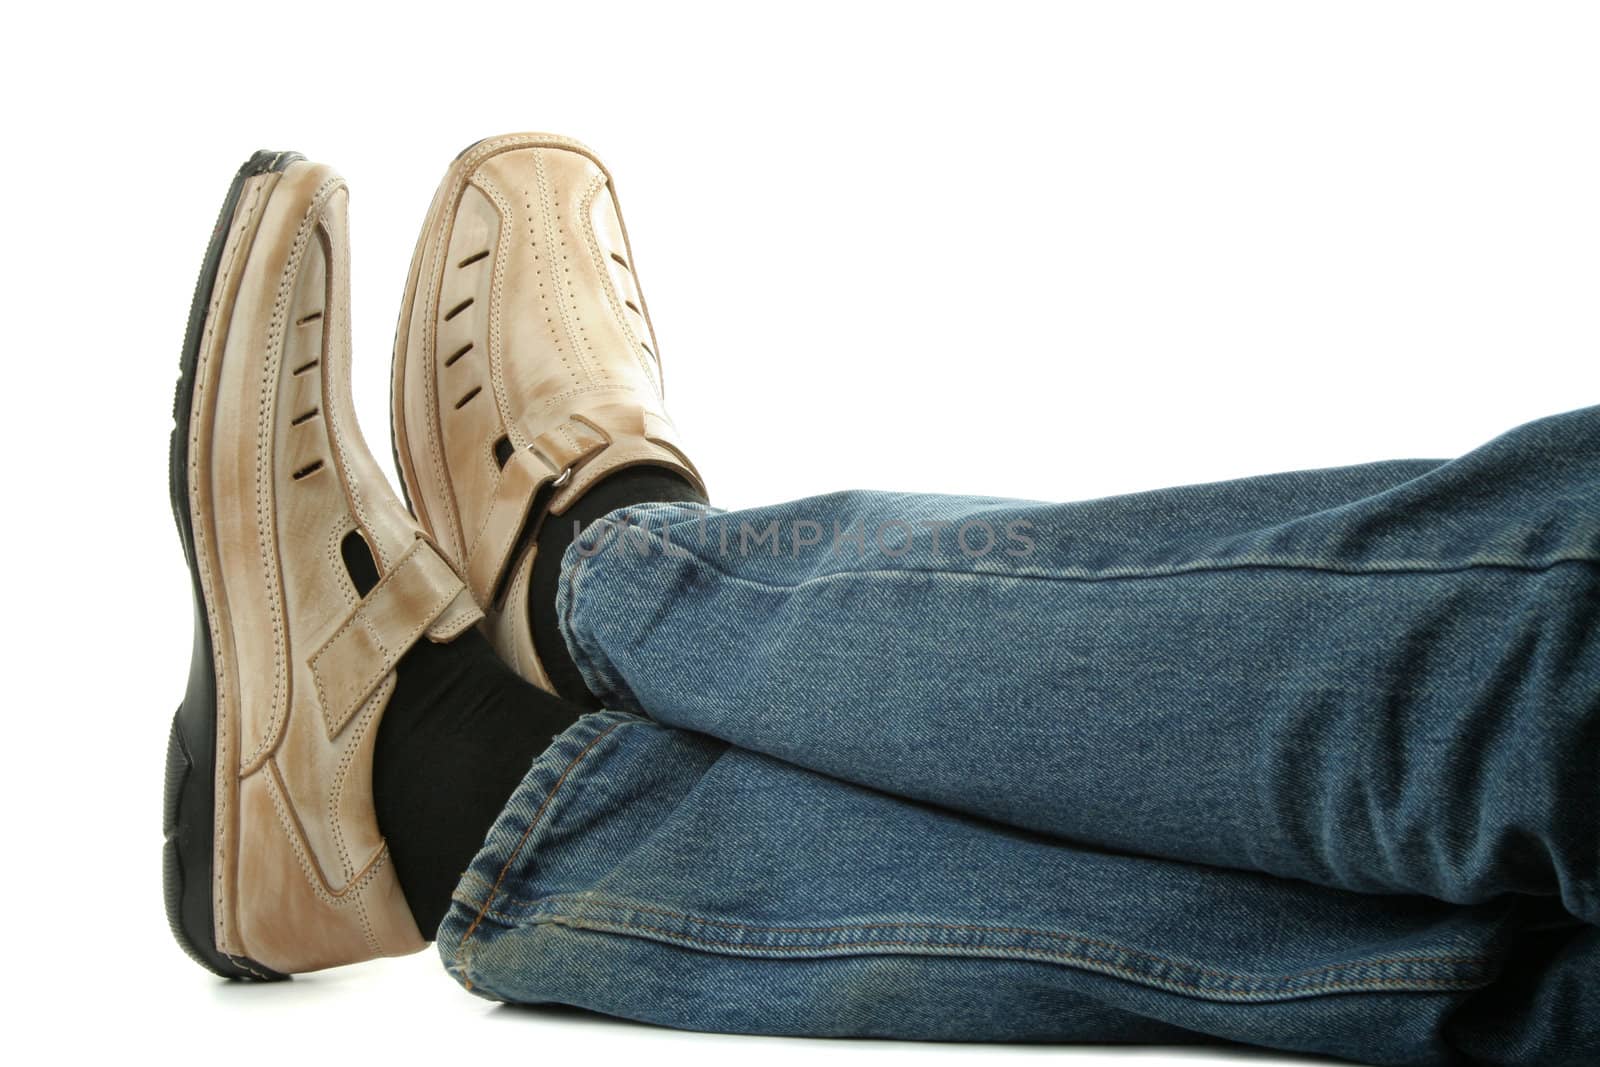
(631, 485)
(462, 728)
(459, 734)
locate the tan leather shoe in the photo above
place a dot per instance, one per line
(525, 366)
(310, 579)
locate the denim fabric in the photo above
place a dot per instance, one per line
(1306, 761)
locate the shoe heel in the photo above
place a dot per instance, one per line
(186, 852)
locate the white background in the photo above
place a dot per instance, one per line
(1054, 251)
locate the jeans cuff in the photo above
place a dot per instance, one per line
(583, 568)
(514, 840)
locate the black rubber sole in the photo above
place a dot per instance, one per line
(189, 804)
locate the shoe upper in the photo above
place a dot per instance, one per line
(526, 367)
(317, 581)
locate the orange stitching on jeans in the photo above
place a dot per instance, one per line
(972, 928)
(461, 950)
(1143, 979)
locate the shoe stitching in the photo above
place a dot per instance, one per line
(427, 615)
(247, 217)
(496, 301)
(364, 722)
(312, 870)
(266, 492)
(434, 276)
(332, 383)
(247, 965)
(498, 504)
(597, 183)
(560, 286)
(340, 574)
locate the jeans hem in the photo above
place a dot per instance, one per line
(595, 914)
(513, 840)
(577, 565)
(486, 905)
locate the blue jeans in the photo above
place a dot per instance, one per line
(1307, 761)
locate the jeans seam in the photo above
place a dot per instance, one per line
(1245, 986)
(611, 687)
(527, 834)
(1148, 575)
(590, 898)
(1252, 989)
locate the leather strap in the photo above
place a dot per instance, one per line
(507, 625)
(421, 594)
(525, 473)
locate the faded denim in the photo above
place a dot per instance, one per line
(1307, 761)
